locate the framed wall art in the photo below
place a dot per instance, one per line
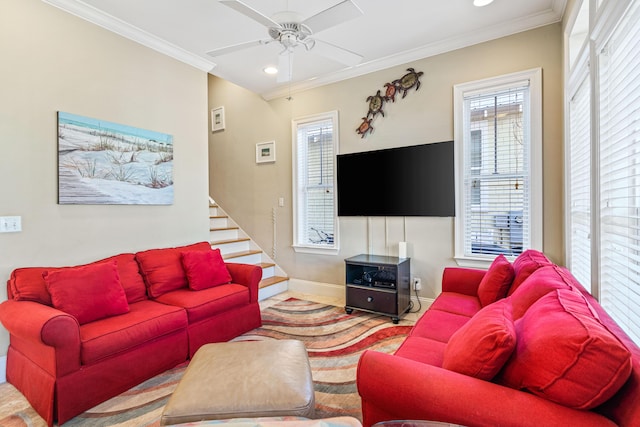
(217, 119)
(105, 163)
(266, 152)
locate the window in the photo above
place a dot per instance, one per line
(603, 162)
(498, 126)
(579, 176)
(315, 146)
(619, 155)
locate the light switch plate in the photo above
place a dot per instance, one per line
(10, 224)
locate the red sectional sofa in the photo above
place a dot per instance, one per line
(521, 344)
(81, 335)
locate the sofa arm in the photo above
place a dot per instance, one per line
(462, 280)
(248, 275)
(44, 334)
(392, 387)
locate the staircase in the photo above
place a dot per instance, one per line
(236, 246)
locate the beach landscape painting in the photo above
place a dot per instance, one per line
(101, 162)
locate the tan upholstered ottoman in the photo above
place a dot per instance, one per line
(243, 379)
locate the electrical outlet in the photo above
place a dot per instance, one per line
(417, 284)
(10, 224)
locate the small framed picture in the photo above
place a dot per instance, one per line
(217, 119)
(266, 152)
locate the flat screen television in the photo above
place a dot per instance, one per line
(405, 181)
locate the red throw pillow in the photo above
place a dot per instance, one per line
(88, 293)
(205, 269)
(541, 282)
(526, 263)
(565, 354)
(496, 281)
(162, 268)
(130, 278)
(482, 345)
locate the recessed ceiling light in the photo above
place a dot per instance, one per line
(480, 3)
(270, 70)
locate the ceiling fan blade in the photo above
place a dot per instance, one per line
(234, 48)
(334, 15)
(250, 12)
(336, 53)
(285, 62)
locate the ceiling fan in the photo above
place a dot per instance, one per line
(288, 29)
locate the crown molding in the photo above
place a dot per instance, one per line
(131, 32)
(111, 23)
(530, 22)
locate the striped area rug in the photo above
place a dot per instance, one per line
(333, 339)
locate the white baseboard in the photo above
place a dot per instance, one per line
(3, 369)
(424, 302)
(337, 291)
(331, 290)
(317, 288)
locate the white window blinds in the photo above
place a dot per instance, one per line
(619, 119)
(496, 177)
(580, 183)
(315, 177)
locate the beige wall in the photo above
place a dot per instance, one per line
(52, 61)
(249, 192)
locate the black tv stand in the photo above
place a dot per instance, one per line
(378, 284)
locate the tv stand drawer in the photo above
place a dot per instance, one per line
(371, 299)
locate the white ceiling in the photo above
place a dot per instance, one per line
(388, 33)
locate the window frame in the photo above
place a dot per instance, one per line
(534, 169)
(617, 300)
(298, 245)
(605, 18)
(581, 74)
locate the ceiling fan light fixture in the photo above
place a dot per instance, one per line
(289, 30)
(481, 3)
(308, 43)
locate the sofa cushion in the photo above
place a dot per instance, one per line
(482, 345)
(496, 282)
(162, 268)
(453, 302)
(540, 283)
(438, 325)
(205, 269)
(207, 302)
(146, 321)
(565, 354)
(424, 350)
(89, 292)
(27, 283)
(525, 264)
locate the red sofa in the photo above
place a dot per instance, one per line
(521, 344)
(81, 335)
